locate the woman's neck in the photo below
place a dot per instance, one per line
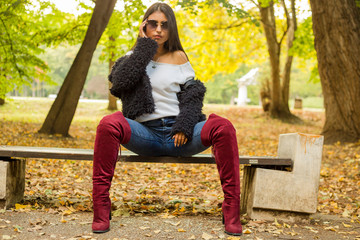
(160, 51)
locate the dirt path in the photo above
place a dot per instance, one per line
(42, 225)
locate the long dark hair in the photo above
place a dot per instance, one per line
(173, 43)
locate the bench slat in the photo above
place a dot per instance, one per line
(127, 156)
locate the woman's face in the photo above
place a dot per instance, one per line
(157, 27)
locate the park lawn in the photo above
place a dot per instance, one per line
(58, 185)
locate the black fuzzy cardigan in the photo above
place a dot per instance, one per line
(132, 85)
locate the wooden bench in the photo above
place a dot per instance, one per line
(12, 168)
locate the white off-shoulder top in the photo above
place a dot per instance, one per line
(165, 80)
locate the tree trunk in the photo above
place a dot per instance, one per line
(112, 106)
(278, 109)
(292, 24)
(63, 109)
(336, 26)
(2, 101)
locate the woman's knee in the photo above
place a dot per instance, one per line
(111, 123)
(216, 127)
(221, 123)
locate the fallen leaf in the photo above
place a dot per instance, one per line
(144, 228)
(19, 206)
(62, 219)
(277, 224)
(206, 236)
(247, 231)
(67, 212)
(286, 225)
(330, 228)
(181, 230)
(347, 225)
(233, 238)
(172, 223)
(17, 228)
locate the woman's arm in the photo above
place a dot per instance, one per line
(128, 70)
(190, 104)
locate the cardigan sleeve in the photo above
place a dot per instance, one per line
(190, 104)
(129, 70)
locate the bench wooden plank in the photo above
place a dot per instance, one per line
(127, 156)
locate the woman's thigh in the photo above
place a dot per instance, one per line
(143, 141)
(146, 141)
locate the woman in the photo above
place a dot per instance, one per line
(162, 115)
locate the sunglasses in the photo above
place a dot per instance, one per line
(152, 25)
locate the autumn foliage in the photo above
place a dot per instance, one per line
(170, 189)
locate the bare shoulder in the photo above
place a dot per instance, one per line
(179, 57)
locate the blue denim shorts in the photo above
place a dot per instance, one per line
(152, 138)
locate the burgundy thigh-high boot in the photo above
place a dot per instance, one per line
(221, 134)
(112, 131)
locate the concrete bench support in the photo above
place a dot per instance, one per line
(278, 194)
(12, 182)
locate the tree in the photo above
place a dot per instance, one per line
(120, 35)
(63, 109)
(216, 36)
(112, 99)
(20, 25)
(336, 26)
(279, 106)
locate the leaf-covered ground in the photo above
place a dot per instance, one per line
(64, 187)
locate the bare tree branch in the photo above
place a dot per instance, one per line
(233, 25)
(14, 61)
(257, 5)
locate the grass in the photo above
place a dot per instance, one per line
(34, 110)
(313, 102)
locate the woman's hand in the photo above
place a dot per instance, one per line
(142, 33)
(179, 139)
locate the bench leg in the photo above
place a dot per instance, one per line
(12, 182)
(245, 188)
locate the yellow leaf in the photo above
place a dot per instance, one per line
(181, 230)
(19, 206)
(63, 220)
(233, 238)
(67, 212)
(286, 225)
(347, 225)
(277, 224)
(247, 231)
(331, 229)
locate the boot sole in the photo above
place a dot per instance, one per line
(101, 231)
(233, 234)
